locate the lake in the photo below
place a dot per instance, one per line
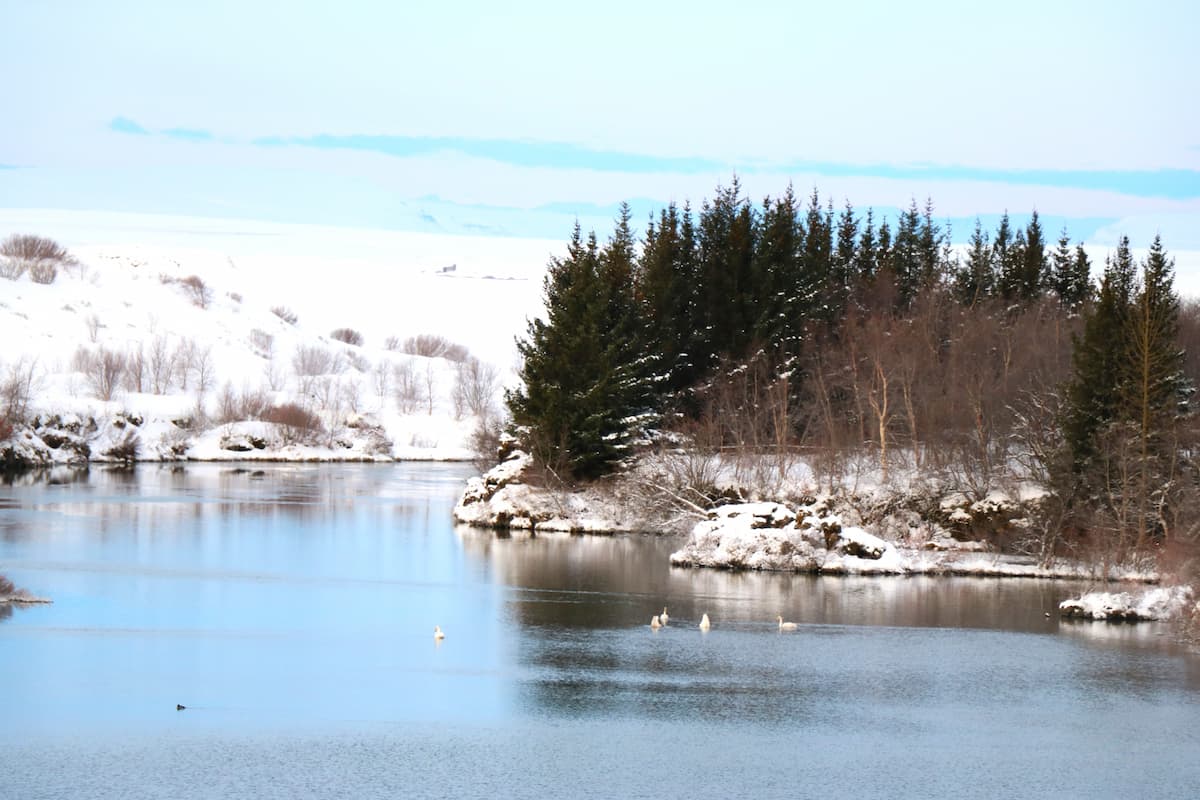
(291, 609)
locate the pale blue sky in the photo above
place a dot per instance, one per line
(467, 116)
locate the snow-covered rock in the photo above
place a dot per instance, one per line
(501, 498)
(1159, 603)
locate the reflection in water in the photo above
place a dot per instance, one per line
(290, 607)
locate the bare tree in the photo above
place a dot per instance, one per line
(476, 387)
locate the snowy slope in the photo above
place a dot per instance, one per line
(128, 293)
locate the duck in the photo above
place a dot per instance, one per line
(655, 623)
(704, 623)
(785, 626)
(437, 633)
(663, 616)
(180, 706)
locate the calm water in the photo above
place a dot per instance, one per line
(291, 610)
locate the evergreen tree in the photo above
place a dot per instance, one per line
(1101, 360)
(1002, 258)
(784, 297)
(974, 281)
(818, 258)
(726, 258)
(666, 293)
(865, 256)
(1153, 387)
(906, 256)
(1033, 266)
(929, 249)
(583, 389)
(844, 274)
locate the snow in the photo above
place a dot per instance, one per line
(127, 292)
(1159, 603)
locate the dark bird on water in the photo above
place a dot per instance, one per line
(178, 707)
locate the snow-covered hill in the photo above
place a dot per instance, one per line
(196, 315)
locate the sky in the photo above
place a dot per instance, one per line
(515, 119)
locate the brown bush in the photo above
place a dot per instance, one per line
(347, 335)
(40, 256)
(285, 314)
(433, 346)
(26, 247)
(298, 423)
(197, 291)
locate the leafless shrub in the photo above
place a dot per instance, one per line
(162, 365)
(391, 343)
(357, 361)
(103, 370)
(433, 346)
(194, 366)
(233, 406)
(12, 268)
(17, 385)
(430, 381)
(34, 248)
(285, 314)
(43, 272)
(406, 387)
(40, 256)
(234, 296)
(381, 378)
(347, 335)
(476, 386)
(296, 422)
(203, 369)
(274, 375)
(197, 290)
(263, 342)
(310, 361)
(93, 327)
(136, 370)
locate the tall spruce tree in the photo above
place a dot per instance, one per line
(973, 281)
(1033, 267)
(783, 298)
(1153, 390)
(1101, 360)
(583, 386)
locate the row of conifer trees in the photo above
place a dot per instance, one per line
(637, 334)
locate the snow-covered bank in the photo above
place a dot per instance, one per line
(502, 499)
(1159, 603)
(192, 331)
(827, 534)
(770, 536)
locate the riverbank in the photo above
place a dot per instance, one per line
(880, 532)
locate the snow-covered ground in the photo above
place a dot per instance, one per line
(130, 293)
(1159, 603)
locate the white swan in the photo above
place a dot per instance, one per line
(654, 623)
(704, 623)
(437, 633)
(663, 616)
(785, 626)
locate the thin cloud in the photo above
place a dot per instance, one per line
(1170, 184)
(126, 125)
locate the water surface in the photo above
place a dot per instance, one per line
(291, 609)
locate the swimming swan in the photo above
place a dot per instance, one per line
(437, 633)
(704, 623)
(663, 616)
(785, 626)
(654, 623)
